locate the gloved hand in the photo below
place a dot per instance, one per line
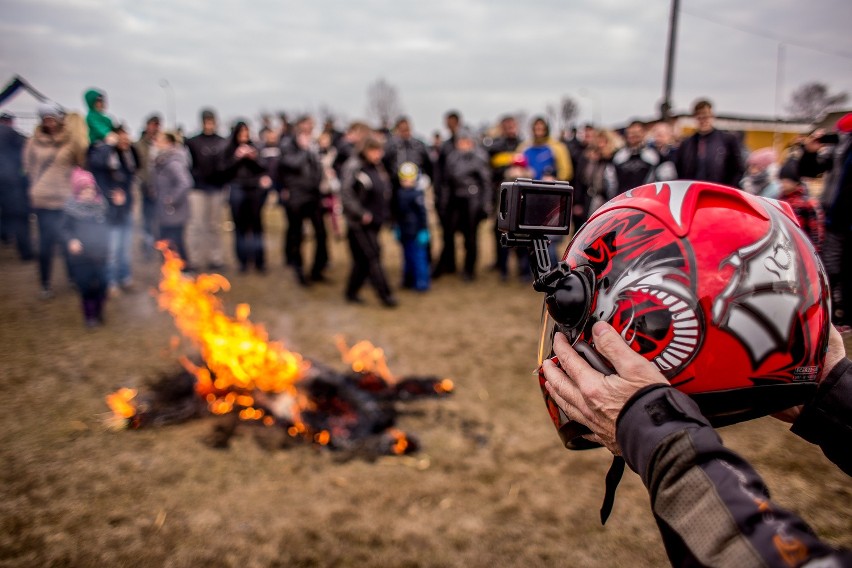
(423, 237)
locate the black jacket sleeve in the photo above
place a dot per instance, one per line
(827, 419)
(712, 508)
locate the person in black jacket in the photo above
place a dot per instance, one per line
(816, 159)
(300, 174)
(403, 147)
(501, 152)
(206, 200)
(467, 180)
(248, 184)
(709, 154)
(113, 161)
(711, 507)
(447, 260)
(366, 191)
(14, 202)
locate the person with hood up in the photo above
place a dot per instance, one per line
(58, 145)
(172, 182)
(86, 236)
(97, 120)
(759, 179)
(547, 157)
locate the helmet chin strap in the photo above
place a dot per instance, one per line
(613, 478)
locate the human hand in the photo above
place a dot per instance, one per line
(590, 397)
(111, 139)
(811, 142)
(118, 196)
(423, 237)
(835, 353)
(366, 218)
(75, 247)
(265, 182)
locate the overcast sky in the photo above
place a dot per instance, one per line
(482, 57)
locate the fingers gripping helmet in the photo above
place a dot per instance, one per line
(721, 290)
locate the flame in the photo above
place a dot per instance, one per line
(401, 442)
(364, 357)
(240, 362)
(120, 402)
(236, 352)
(444, 386)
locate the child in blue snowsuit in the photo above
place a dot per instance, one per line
(413, 229)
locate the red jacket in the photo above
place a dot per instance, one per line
(809, 214)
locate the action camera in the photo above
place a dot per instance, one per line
(532, 209)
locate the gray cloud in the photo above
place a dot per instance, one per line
(481, 57)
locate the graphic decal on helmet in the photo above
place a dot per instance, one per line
(761, 301)
(675, 192)
(645, 288)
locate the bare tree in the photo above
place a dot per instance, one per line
(568, 111)
(383, 103)
(550, 113)
(812, 100)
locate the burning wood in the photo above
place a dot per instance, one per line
(247, 378)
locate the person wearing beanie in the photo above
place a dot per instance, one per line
(807, 209)
(55, 148)
(86, 235)
(412, 226)
(98, 122)
(760, 179)
(49, 109)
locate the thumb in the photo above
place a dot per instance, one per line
(610, 344)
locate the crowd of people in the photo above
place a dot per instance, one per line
(359, 182)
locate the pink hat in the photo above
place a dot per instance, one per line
(81, 178)
(762, 158)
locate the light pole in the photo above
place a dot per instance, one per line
(779, 87)
(596, 105)
(170, 102)
(666, 105)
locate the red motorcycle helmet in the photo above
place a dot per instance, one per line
(720, 289)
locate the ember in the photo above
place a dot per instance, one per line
(251, 379)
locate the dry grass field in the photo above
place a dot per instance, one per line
(492, 485)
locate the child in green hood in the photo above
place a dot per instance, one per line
(97, 120)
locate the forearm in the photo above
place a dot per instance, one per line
(711, 506)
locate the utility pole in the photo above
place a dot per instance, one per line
(666, 105)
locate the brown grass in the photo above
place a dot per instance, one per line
(492, 486)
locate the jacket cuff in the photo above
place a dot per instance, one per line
(822, 415)
(650, 416)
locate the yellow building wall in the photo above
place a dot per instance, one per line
(755, 139)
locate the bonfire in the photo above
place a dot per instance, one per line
(240, 375)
